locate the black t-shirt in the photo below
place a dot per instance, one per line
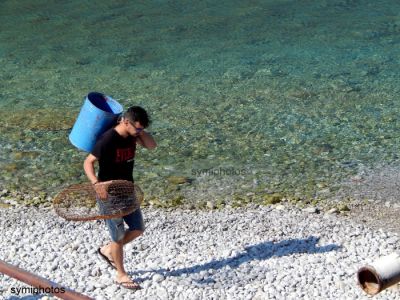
(116, 156)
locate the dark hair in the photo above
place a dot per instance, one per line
(137, 114)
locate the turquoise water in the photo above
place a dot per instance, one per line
(293, 95)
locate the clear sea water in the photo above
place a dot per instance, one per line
(246, 97)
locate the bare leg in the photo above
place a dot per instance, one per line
(128, 237)
(115, 251)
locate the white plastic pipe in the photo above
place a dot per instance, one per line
(381, 274)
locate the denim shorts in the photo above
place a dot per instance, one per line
(116, 227)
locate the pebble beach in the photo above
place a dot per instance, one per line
(275, 252)
(276, 171)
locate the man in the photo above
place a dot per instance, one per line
(115, 153)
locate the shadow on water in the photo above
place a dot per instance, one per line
(260, 251)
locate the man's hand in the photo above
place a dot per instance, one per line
(146, 140)
(101, 191)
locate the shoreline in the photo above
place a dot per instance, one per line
(376, 214)
(368, 198)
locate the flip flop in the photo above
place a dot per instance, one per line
(110, 262)
(130, 285)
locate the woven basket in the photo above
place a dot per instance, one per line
(111, 199)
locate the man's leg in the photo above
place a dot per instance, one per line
(135, 226)
(118, 233)
(110, 250)
(114, 250)
(131, 235)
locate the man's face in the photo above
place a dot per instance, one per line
(134, 128)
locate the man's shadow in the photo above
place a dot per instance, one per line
(260, 251)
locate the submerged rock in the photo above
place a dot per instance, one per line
(272, 199)
(178, 179)
(39, 119)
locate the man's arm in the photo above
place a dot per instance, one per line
(146, 140)
(88, 166)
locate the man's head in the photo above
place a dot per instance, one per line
(135, 119)
(137, 114)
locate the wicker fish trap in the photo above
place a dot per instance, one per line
(105, 200)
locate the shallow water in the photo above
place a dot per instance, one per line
(288, 96)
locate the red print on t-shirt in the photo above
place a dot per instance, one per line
(124, 154)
